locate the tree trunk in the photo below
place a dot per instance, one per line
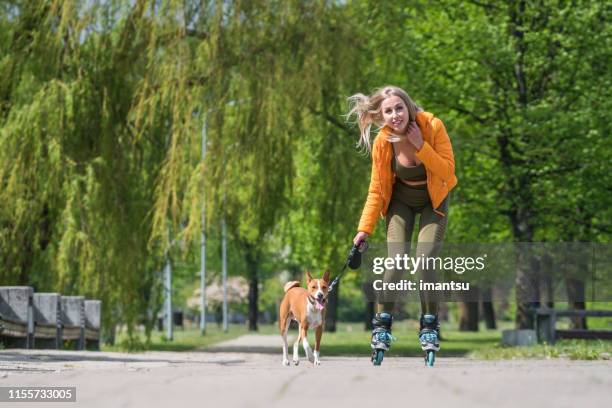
(468, 316)
(546, 284)
(331, 309)
(369, 315)
(443, 312)
(108, 336)
(527, 295)
(575, 298)
(253, 297)
(488, 311)
(519, 181)
(370, 305)
(252, 261)
(576, 270)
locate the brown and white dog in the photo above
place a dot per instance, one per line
(307, 307)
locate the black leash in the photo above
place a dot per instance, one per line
(353, 260)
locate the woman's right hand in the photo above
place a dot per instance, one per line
(361, 236)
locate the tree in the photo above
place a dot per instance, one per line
(507, 74)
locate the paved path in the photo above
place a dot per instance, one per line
(224, 379)
(257, 343)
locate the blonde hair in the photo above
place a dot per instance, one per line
(368, 111)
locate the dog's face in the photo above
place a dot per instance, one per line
(317, 289)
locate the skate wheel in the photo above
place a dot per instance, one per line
(430, 357)
(377, 357)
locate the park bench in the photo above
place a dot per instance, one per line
(47, 320)
(17, 316)
(546, 321)
(73, 320)
(92, 324)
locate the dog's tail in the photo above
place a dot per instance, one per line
(292, 284)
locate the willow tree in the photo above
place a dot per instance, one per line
(274, 66)
(524, 86)
(101, 107)
(95, 99)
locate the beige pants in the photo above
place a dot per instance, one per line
(406, 203)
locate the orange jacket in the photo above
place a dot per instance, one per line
(437, 157)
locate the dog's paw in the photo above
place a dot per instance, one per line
(296, 361)
(285, 361)
(316, 358)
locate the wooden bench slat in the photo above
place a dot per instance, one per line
(11, 328)
(45, 331)
(71, 333)
(91, 334)
(546, 321)
(574, 313)
(12, 321)
(584, 334)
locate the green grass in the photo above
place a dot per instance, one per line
(184, 340)
(351, 339)
(572, 349)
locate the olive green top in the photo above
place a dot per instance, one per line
(412, 173)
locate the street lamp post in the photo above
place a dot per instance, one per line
(203, 250)
(203, 240)
(169, 317)
(203, 244)
(224, 270)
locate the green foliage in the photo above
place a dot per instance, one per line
(572, 349)
(102, 107)
(79, 165)
(189, 339)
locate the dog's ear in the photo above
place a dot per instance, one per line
(308, 277)
(326, 276)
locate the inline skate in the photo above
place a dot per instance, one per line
(381, 336)
(429, 337)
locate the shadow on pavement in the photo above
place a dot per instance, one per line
(20, 357)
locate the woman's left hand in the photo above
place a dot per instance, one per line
(413, 134)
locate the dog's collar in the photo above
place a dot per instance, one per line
(313, 302)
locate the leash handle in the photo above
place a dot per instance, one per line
(361, 247)
(352, 253)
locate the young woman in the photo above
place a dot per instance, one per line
(413, 171)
